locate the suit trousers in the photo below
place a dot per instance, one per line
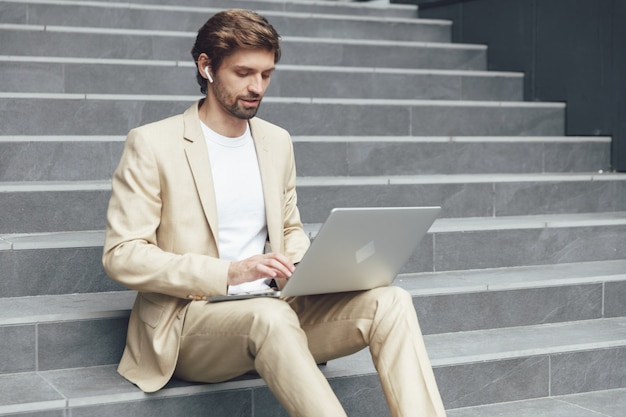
(284, 340)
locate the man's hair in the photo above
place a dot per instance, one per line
(229, 30)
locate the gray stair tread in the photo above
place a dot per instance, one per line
(294, 100)
(498, 279)
(347, 8)
(127, 77)
(192, 34)
(96, 237)
(58, 15)
(458, 179)
(101, 384)
(28, 40)
(606, 403)
(340, 139)
(428, 117)
(515, 342)
(315, 181)
(279, 67)
(47, 308)
(210, 9)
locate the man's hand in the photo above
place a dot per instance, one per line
(269, 265)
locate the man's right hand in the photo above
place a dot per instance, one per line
(269, 265)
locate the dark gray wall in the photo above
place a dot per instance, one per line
(572, 51)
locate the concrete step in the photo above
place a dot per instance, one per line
(301, 6)
(87, 42)
(460, 196)
(360, 395)
(86, 114)
(607, 403)
(447, 303)
(547, 359)
(56, 206)
(102, 14)
(85, 158)
(363, 156)
(59, 158)
(67, 263)
(89, 75)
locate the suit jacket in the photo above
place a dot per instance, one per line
(161, 236)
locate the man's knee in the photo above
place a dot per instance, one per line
(273, 318)
(393, 297)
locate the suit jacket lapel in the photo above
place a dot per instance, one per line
(198, 159)
(272, 191)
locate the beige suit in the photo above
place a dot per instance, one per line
(166, 248)
(161, 240)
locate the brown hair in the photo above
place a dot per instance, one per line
(229, 30)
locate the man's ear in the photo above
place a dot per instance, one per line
(207, 72)
(204, 66)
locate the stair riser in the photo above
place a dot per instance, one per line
(385, 158)
(55, 211)
(404, 11)
(135, 79)
(498, 309)
(79, 270)
(58, 161)
(303, 25)
(504, 248)
(461, 385)
(533, 377)
(468, 200)
(49, 44)
(92, 342)
(52, 161)
(53, 271)
(117, 117)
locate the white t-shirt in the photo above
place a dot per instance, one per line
(239, 198)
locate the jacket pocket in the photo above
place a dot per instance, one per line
(149, 312)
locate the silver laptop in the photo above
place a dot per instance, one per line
(355, 249)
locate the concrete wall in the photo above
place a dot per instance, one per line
(570, 50)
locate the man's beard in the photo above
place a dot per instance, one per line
(235, 108)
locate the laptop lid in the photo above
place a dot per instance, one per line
(359, 249)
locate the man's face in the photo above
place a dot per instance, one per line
(241, 81)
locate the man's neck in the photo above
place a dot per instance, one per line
(224, 124)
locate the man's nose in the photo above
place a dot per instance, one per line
(256, 84)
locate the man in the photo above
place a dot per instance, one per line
(204, 203)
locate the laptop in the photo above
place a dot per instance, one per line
(355, 249)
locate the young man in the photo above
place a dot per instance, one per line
(204, 203)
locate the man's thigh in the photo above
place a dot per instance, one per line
(339, 324)
(216, 337)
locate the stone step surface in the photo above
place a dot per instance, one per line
(545, 366)
(521, 309)
(66, 263)
(66, 41)
(55, 206)
(606, 403)
(85, 114)
(85, 158)
(347, 8)
(87, 75)
(183, 18)
(51, 332)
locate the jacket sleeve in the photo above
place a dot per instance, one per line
(132, 256)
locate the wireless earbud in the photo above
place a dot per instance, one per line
(208, 75)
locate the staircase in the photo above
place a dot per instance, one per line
(519, 286)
